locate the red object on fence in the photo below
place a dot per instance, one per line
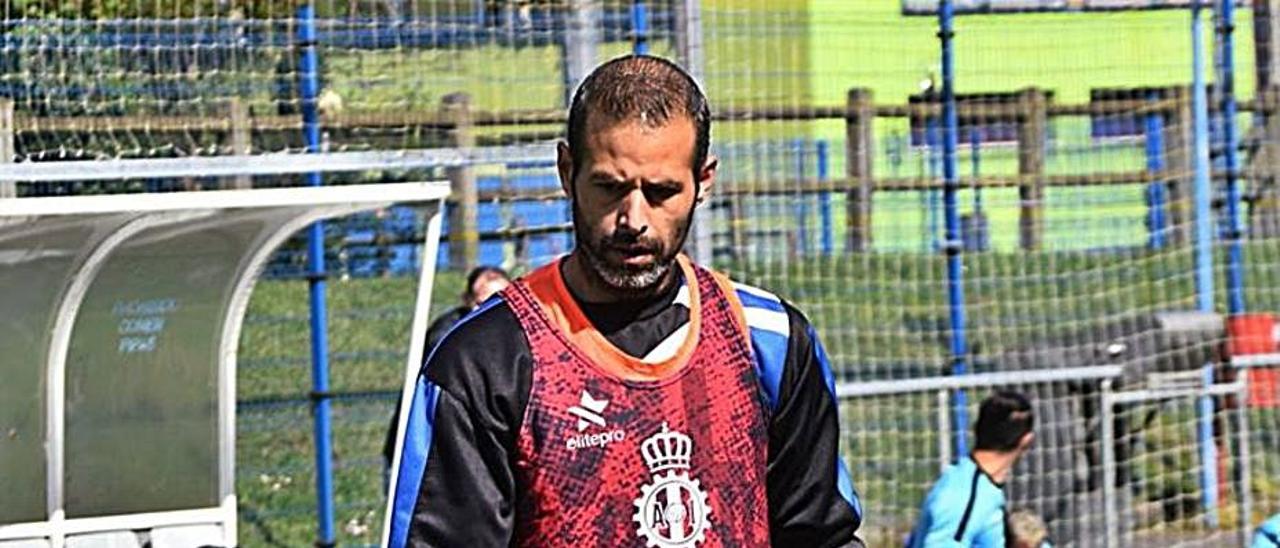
(1256, 334)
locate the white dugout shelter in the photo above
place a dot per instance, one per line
(121, 318)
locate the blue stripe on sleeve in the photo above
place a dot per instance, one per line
(413, 459)
(844, 480)
(752, 300)
(844, 484)
(825, 363)
(769, 347)
(770, 351)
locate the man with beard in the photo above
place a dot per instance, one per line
(622, 395)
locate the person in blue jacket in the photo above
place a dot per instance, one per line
(966, 506)
(1268, 534)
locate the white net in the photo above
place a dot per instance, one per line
(1074, 238)
(1073, 217)
(141, 78)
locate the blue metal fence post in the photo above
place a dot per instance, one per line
(1234, 232)
(952, 246)
(824, 199)
(640, 28)
(309, 87)
(1201, 196)
(1156, 191)
(930, 195)
(1201, 191)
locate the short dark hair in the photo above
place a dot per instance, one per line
(1003, 419)
(642, 88)
(479, 271)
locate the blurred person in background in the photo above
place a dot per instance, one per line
(966, 506)
(482, 282)
(1268, 534)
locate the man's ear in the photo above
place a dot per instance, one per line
(706, 178)
(564, 164)
(1025, 442)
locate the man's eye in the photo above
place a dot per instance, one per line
(612, 186)
(661, 192)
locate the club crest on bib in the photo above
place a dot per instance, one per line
(672, 511)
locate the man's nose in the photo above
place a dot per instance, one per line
(633, 212)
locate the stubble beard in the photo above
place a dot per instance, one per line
(621, 277)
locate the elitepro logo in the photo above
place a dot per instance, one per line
(590, 411)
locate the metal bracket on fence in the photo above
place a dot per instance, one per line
(952, 247)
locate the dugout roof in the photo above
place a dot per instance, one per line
(121, 318)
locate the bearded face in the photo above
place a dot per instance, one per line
(633, 200)
(629, 261)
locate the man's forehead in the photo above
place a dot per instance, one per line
(676, 137)
(598, 123)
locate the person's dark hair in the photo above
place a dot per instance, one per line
(479, 271)
(651, 90)
(1003, 419)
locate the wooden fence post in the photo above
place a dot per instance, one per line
(859, 161)
(1178, 155)
(1033, 120)
(239, 139)
(1264, 202)
(464, 237)
(737, 221)
(8, 189)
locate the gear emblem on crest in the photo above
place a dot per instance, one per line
(673, 511)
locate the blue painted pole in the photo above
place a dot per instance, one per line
(640, 26)
(1201, 196)
(1201, 191)
(952, 246)
(802, 203)
(309, 86)
(1157, 194)
(1235, 232)
(824, 198)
